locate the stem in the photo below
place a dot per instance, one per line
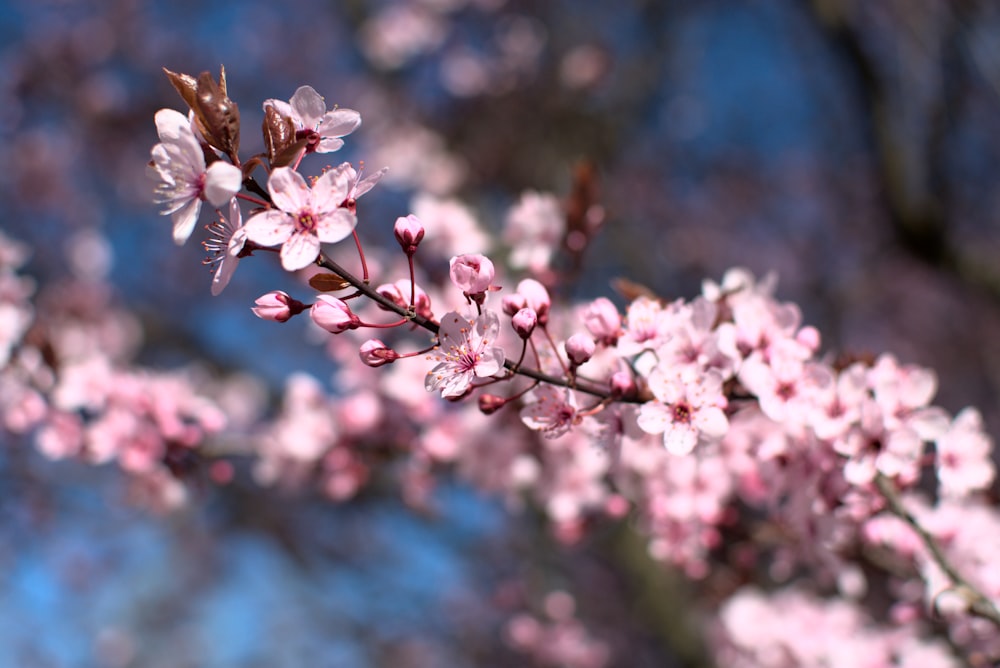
(979, 604)
(432, 327)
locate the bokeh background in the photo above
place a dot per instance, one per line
(852, 147)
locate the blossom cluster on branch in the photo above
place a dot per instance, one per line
(717, 423)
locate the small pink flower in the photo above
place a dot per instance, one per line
(304, 216)
(602, 319)
(537, 298)
(688, 408)
(322, 128)
(553, 411)
(333, 315)
(374, 353)
(580, 348)
(963, 456)
(472, 274)
(277, 306)
(524, 322)
(465, 352)
(184, 182)
(409, 232)
(225, 246)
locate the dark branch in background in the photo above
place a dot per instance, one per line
(919, 223)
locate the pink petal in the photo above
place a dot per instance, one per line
(171, 124)
(185, 219)
(308, 105)
(222, 181)
(491, 362)
(332, 227)
(712, 422)
(680, 439)
(269, 228)
(330, 144)
(339, 122)
(289, 190)
(299, 251)
(332, 188)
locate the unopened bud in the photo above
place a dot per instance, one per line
(277, 306)
(374, 353)
(409, 232)
(537, 298)
(472, 274)
(580, 348)
(524, 322)
(491, 403)
(511, 304)
(623, 385)
(333, 315)
(602, 320)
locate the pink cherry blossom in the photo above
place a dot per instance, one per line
(472, 274)
(963, 456)
(551, 410)
(277, 305)
(534, 229)
(304, 216)
(225, 246)
(465, 352)
(333, 315)
(688, 408)
(322, 128)
(183, 180)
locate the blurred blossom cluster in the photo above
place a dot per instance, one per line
(423, 284)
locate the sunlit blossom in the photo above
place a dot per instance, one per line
(465, 352)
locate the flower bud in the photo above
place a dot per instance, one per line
(513, 303)
(399, 294)
(472, 274)
(491, 403)
(374, 353)
(580, 348)
(409, 232)
(333, 315)
(602, 319)
(524, 322)
(277, 306)
(537, 297)
(623, 385)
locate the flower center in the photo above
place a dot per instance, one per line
(682, 412)
(306, 221)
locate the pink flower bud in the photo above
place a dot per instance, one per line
(333, 315)
(580, 348)
(623, 385)
(491, 403)
(399, 294)
(603, 320)
(374, 353)
(514, 303)
(537, 297)
(524, 322)
(472, 274)
(409, 232)
(277, 306)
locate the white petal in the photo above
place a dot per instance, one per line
(171, 124)
(185, 219)
(329, 144)
(222, 181)
(491, 362)
(309, 106)
(332, 227)
(339, 122)
(269, 228)
(331, 189)
(289, 190)
(299, 251)
(712, 422)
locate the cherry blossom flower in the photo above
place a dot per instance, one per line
(184, 182)
(688, 407)
(552, 411)
(963, 456)
(322, 128)
(225, 246)
(304, 216)
(534, 229)
(465, 352)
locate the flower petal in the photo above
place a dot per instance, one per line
(331, 189)
(269, 228)
(334, 226)
(299, 251)
(289, 190)
(222, 181)
(339, 122)
(185, 219)
(309, 106)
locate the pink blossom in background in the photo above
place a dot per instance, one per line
(534, 229)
